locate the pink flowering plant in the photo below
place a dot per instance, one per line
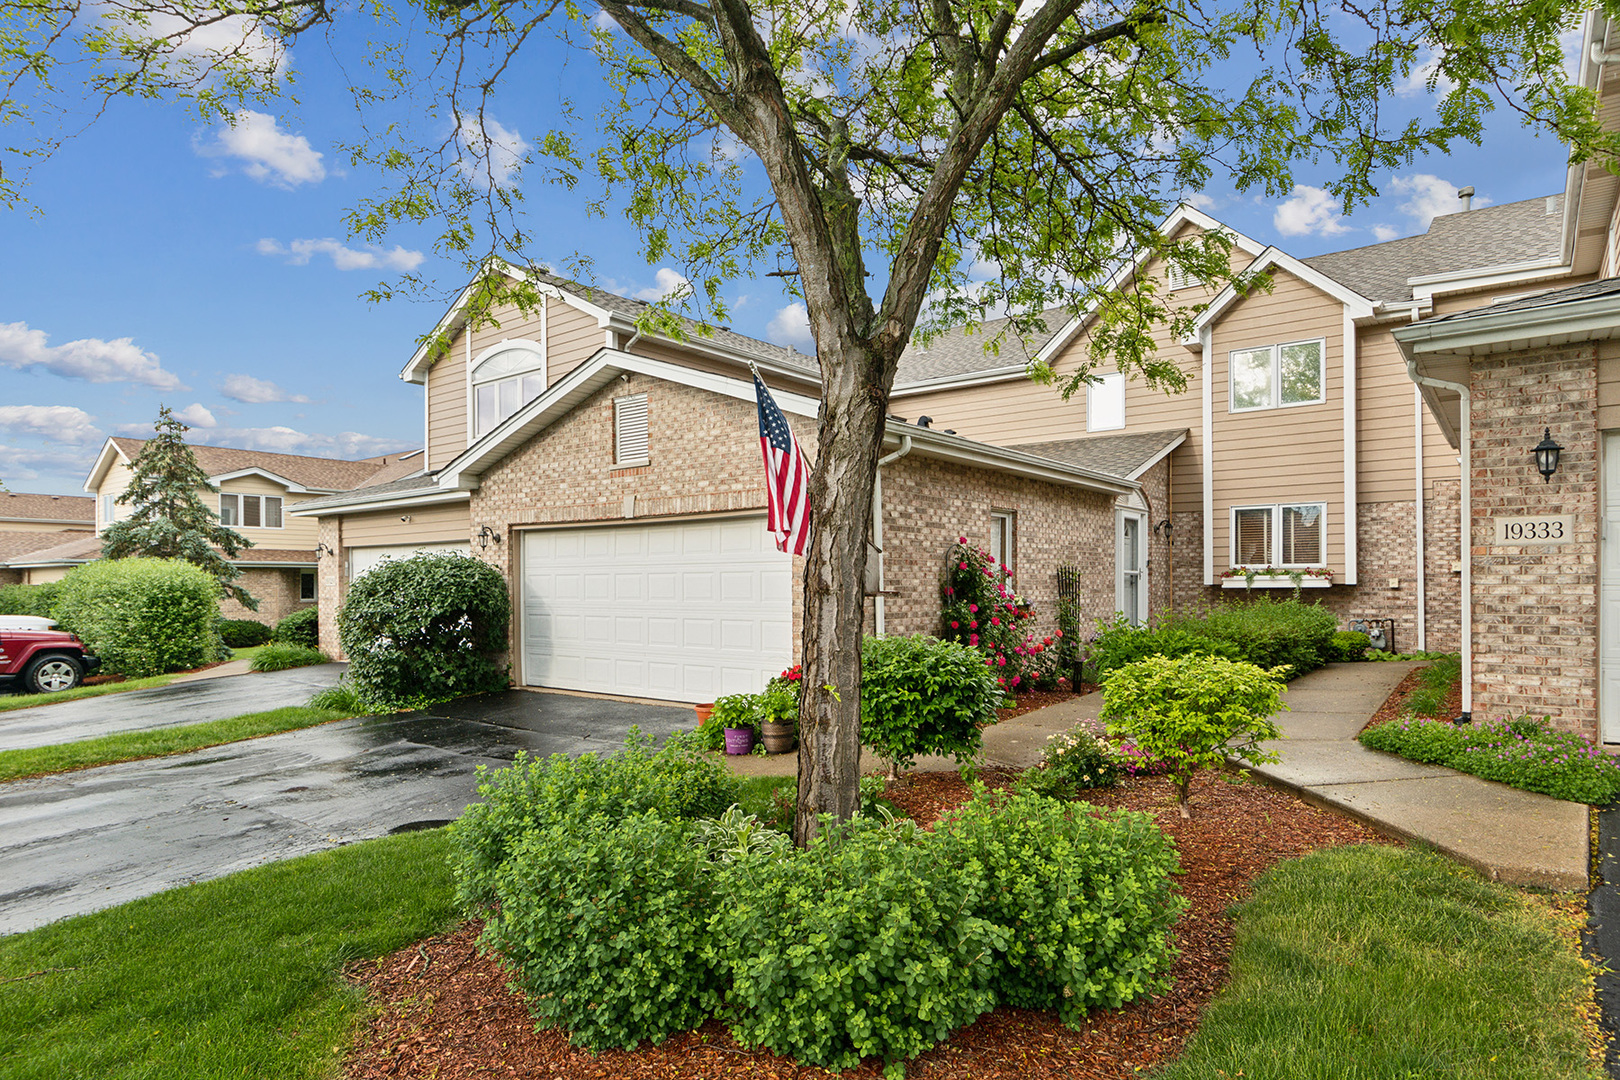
(979, 609)
(1524, 753)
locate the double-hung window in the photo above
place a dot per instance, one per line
(250, 511)
(1105, 403)
(1277, 376)
(1281, 535)
(1003, 538)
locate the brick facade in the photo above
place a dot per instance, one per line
(1536, 607)
(276, 590)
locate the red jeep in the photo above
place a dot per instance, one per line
(37, 658)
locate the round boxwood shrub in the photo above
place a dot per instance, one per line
(300, 628)
(424, 629)
(243, 633)
(920, 695)
(143, 616)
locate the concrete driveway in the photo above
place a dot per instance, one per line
(82, 841)
(163, 706)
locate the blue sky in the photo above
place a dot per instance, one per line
(208, 269)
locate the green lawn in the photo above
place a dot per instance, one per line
(230, 978)
(1377, 962)
(24, 701)
(132, 745)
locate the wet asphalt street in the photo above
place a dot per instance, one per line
(82, 841)
(163, 706)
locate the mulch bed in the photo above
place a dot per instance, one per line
(443, 1009)
(1040, 699)
(1394, 706)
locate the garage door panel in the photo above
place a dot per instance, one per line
(693, 609)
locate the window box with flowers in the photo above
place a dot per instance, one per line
(1274, 577)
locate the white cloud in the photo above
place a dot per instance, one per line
(299, 252)
(251, 391)
(1310, 211)
(1385, 232)
(23, 464)
(791, 326)
(490, 152)
(90, 359)
(194, 415)
(269, 155)
(1417, 80)
(1429, 197)
(286, 440)
(669, 284)
(1199, 201)
(57, 423)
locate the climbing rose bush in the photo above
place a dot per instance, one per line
(978, 610)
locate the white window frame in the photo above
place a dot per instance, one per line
(1111, 383)
(240, 511)
(1004, 535)
(624, 457)
(109, 510)
(537, 351)
(314, 585)
(1274, 536)
(1275, 401)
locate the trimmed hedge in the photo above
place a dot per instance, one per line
(920, 695)
(143, 616)
(36, 600)
(1264, 632)
(300, 628)
(424, 629)
(243, 633)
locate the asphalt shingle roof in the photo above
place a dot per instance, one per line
(1589, 291)
(1116, 455)
(959, 352)
(370, 492)
(22, 504)
(327, 474)
(83, 548)
(1489, 236)
(14, 545)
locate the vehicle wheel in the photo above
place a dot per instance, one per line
(50, 674)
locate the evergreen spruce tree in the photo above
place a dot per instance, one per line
(170, 519)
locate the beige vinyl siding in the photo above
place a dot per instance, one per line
(1285, 455)
(117, 479)
(572, 337)
(1608, 385)
(300, 533)
(15, 525)
(447, 406)
(44, 575)
(427, 525)
(1385, 441)
(511, 325)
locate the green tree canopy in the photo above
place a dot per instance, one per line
(170, 519)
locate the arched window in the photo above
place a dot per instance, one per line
(504, 379)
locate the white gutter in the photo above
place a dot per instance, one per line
(877, 523)
(1465, 438)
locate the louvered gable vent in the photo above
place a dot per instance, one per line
(630, 429)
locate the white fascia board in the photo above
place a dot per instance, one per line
(1595, 319)
(69, 523)
(1358, 306)
(104, 461)
(563, 396)
(1427, 286)
(424, 497)
(1141, 470)
(290, 485)
(935, 444)
(247, 564)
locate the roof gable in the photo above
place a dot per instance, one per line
(297, 472)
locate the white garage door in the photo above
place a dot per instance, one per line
(687, 611)
(364, 559)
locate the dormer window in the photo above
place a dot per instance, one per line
(504, 379)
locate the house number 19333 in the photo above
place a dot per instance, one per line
(1542, 529)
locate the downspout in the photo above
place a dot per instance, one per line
(1467, 530)
(1422, 568)
(877, 524)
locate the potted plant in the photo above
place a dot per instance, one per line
(779, 711)
(736, 714)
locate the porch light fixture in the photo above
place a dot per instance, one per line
(1546, 453)
(322, 551)
(486, 534)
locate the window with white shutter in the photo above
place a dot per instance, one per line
(630, 430)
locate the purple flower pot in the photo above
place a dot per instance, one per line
(739, 740)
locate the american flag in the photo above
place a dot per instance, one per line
(787, 476)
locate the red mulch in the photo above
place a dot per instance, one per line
(1394, 706)
(442, 1009)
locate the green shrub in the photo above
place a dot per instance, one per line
(343, 698)
(1075, 761)
(604, 923)
(36, 600)
(1194, 712)
(1118, 643)
(243, 633)
(1521, 753)
(300, 628)
(1348, 646)
(1269, 633)
(1085, 894)
(424, 629)
(672, 782)
(979, 609)
(920, 695)
(282, 657)
(142, 616)
(864, 944)
(736, 711)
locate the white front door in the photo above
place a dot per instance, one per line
(1130, 566)
(681, 611)
(1609, 618)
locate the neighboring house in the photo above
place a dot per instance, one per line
(256, 491)
(30, 523)
(615, 480)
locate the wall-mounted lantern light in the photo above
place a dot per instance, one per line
(486, 534)
(1546, 453)
(322, 551)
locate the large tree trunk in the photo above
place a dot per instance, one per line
(855, 399)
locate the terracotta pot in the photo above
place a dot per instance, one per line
(779, 738)
(739, 740)
(703, 712)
